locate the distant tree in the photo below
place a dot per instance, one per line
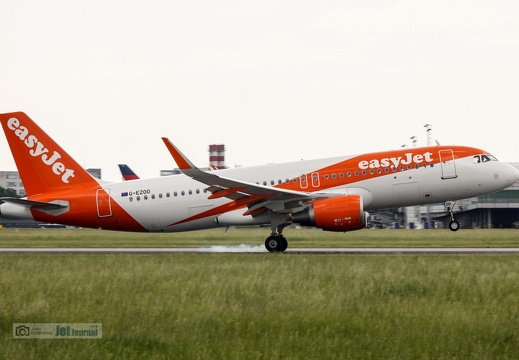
(7, 192)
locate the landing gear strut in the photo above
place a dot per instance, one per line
(453, 225)
(276, 242)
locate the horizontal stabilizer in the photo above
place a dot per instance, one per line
(39, 205)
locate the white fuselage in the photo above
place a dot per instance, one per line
(161, 204)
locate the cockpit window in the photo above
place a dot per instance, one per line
(484, 158)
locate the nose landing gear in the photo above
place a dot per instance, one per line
(453, 225)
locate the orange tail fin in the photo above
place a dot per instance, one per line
(43, 165)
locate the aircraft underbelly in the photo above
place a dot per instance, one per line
(406, 193)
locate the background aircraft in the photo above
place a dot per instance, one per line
(127, 173)
(333, 194)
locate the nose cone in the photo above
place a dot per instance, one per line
(511, 174)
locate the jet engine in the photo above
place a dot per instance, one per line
(342, 213)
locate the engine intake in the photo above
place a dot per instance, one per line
(342, 213)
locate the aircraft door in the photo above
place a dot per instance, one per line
(104, 208)
(448, 165)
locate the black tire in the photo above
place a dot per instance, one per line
(276, 243)
(454, 225)
(272, 243)
(283, 244)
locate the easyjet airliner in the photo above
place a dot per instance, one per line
(333, 194)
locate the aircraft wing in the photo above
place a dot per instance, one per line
(255, 196)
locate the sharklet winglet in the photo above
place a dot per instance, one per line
(182, 161)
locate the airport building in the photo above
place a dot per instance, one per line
(11, 180)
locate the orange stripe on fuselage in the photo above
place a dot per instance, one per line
(373, 165)
(83, 211)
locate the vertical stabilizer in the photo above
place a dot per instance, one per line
(43, 165)
(127, 173)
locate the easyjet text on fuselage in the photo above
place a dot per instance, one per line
(407, 159)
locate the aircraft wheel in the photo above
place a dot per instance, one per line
(276, 243)
(283, 243)
(454, 225)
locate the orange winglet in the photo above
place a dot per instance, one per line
(181, 160)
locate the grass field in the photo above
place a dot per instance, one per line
(263, 306)
(257, 236)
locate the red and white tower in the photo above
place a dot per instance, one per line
(217, 156)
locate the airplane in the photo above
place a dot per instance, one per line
(127, 173)
(334, 194)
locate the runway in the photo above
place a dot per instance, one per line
(260, 249)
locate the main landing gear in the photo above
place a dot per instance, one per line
(453, 225)
(276, 242)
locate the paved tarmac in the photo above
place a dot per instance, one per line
(260, 249)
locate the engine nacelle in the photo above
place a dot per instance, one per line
(342, 213)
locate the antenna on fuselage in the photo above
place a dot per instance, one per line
(429, 129)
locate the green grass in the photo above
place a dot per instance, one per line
(265, 306)
(256, 237)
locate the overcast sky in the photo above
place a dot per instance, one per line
(274, 81)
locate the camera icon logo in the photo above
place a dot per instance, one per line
(22, 330)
